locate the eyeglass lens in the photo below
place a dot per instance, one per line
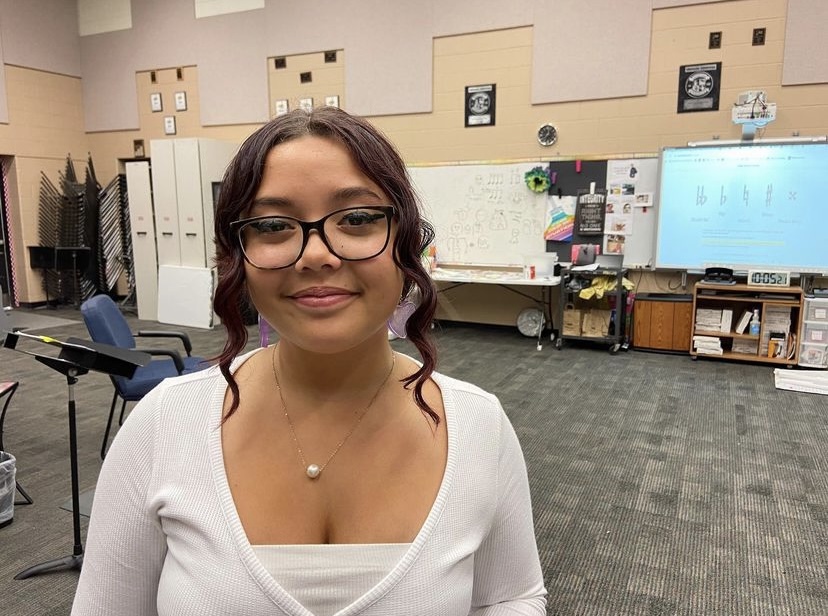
(352, 234)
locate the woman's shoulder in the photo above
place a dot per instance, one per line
(451, 387)
(194, 387)
(469, 402)
(455, 385)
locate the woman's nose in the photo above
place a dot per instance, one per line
(317, 254)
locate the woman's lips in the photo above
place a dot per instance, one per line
(322, 297)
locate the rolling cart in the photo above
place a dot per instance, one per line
(591, 320)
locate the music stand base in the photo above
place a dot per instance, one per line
(59, 564)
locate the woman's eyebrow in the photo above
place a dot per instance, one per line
(348, 193)
(272, 202)
(355, 192)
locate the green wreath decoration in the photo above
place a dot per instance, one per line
(537, 180)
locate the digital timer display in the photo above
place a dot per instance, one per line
(763, 278)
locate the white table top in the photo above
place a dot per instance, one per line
(492, 277)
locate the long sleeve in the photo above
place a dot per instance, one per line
(507, 573)
(125, 545)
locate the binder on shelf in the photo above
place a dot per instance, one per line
(777, 344)
(741, 326)
(727, 320)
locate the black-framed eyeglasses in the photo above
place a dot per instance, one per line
(351, 234)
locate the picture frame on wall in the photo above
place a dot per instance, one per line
(306, 104)
(332, 101)
(698, 87)
(181, 101)
(155, 102)
(480, 105)
(281, 107)
(169, 125)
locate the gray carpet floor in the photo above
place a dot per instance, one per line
(660, 485)
(27, 320)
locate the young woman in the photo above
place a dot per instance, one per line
(325, 474)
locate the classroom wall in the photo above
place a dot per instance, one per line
(626, 126)
(232, 85)
(45, 126)
(327, 79)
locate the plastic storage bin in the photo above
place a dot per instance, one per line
(816, 309)
(813, 355)
(816, 333)
(7, 473)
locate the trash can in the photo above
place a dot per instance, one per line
(7, 472)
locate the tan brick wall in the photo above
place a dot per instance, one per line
(46, 109)
(110, 149)
(328, 79)
(45, 126)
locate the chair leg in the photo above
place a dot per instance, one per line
(121, 418)
(109, 424)
(27, 499)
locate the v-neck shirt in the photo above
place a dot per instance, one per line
(165, 537)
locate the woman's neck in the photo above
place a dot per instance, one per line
(349, 374)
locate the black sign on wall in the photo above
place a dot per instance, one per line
(698, 87)
(480, 105)
(590, 211)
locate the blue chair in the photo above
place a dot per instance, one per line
(106, 324)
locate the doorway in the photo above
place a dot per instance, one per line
(7, 280)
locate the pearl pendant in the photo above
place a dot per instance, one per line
(313, 471)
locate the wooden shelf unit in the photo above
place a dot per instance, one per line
(741, 297)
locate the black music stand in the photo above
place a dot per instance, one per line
(61, 259)
(42, 258)
(73, 258)
(76, 358)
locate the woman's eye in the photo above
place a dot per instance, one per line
(356, 219)
(272, 225)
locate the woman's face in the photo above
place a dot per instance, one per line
(322, 303)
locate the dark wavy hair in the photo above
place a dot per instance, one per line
(378, 159)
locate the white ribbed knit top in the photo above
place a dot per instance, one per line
(326, 578)
(165, 537)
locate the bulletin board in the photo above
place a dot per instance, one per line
(482, 214)
(631, 216)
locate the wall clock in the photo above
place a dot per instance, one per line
(547, 135)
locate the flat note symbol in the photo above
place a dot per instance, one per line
(701, 198)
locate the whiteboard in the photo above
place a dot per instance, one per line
(482, 214)
(639, 251)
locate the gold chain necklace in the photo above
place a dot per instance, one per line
(314, 470)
